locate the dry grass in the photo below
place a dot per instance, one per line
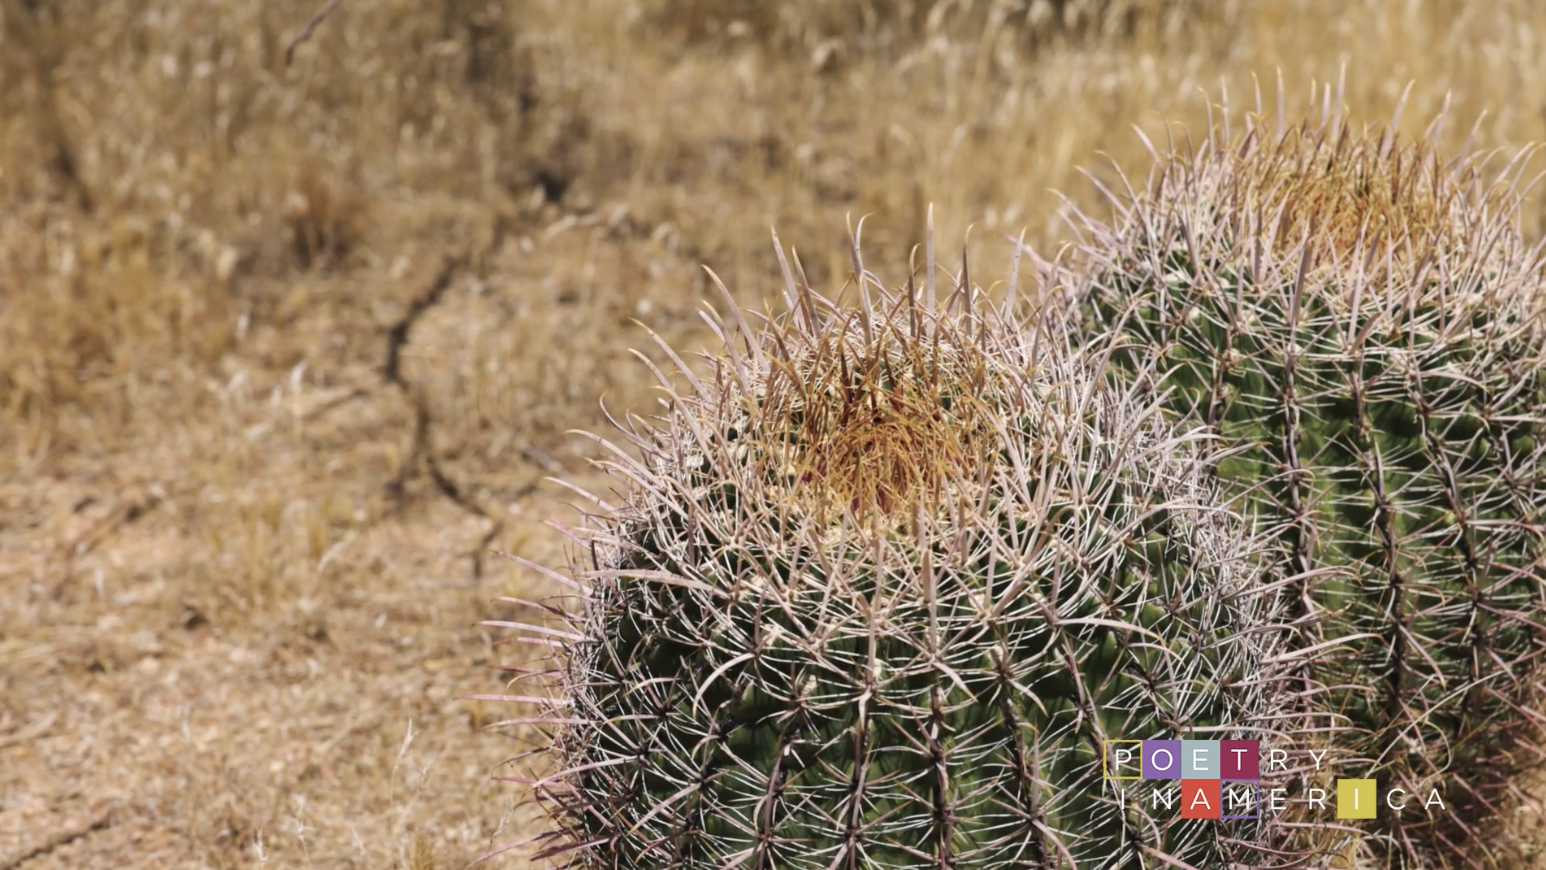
(237, 559)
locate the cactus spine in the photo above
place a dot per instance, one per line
(879, 586)
(1362, 321)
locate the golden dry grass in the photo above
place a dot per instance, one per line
(238, 549)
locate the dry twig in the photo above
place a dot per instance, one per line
(31, 732)
(62, 838)
(311, 26)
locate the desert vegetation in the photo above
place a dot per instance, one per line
(289, 340)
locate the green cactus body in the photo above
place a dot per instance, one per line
(877, 592)
(1361, 324)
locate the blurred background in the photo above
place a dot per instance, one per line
(287, 346)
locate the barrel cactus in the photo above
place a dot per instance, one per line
(1359, 320)
(881, 582)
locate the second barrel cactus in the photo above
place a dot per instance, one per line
(1361, 321)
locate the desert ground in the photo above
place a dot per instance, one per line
(293, 334)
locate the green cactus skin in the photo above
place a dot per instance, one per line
(1361, 323)
(908, 658)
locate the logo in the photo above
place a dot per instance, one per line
(1234, 779)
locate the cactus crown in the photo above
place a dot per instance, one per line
(1362, 203)
(1344, 191)
(879, 425)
